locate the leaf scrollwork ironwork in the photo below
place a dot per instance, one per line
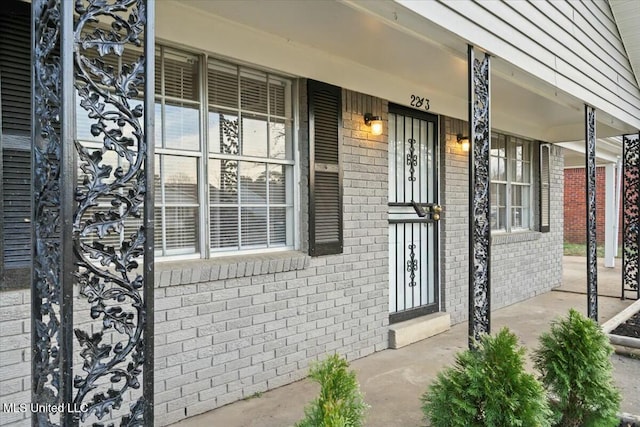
(47, 152)
(631, 216)
(109, 236)
(479, 304)
(592, 266)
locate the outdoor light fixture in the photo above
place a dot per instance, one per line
(375, 122)
(463, 141)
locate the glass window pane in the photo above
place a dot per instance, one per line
(157, 197)
(502, 194)
(223, 133)
(494, 194)
(180, 180)
(254, 226)
(280, 140)
(502, 145)
(526, 172)
(182, 127)
(181, 228)
(502, 218)
(223, 181)
(502, 173)
(253, 183)
(224, 227)
(254, 136)
(516, 219)
(494, 218)
(223, 84)
(180, 75)
(157, 130)
(277, 226)
(279, 92)
(516, 195)
(495, 169)
(157, 229)
(525, 196)
(277, 184)
(494, 145)
(253, 91)
(525, 217)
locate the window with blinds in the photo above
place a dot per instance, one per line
(178, 160)
(511, 189)
(250, 160)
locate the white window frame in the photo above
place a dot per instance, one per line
(204, 156)
(508, 227)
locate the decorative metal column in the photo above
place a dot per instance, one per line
(479, 221)
(92, 290)
(631, 215)
(590, 172)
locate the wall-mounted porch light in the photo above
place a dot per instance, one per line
(375, 122)
(463, 141)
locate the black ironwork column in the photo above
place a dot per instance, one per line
(631, 215)
(479, 208)
(51, 292)
(93, 212)
(590, 172)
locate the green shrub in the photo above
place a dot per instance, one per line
(340, 403)
(574, 360)
(487, 387)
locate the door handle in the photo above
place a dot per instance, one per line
(437, 209)
(423, 210)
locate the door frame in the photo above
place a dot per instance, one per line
(438, 291)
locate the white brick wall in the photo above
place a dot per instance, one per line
(229, 328)
(522, 264)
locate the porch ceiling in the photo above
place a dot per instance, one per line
(608, 150)
(393, 41)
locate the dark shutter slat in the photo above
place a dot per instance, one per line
(325, 216)
(16, 197)
(15, 67)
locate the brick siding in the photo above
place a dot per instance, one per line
(231, 327)
(522, 264)
(575, 211)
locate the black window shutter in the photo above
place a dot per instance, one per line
(15, 125)
(15, 67)
(545, 182)
(325, 176)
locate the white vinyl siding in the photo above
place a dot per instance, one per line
(572, 45)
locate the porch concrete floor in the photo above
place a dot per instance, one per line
(393, 380)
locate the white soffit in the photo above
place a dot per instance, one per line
(608, 150)
(627, 15)
(378, 48)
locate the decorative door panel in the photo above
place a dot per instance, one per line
(413, 213)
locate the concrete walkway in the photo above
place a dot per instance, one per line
(393, 380)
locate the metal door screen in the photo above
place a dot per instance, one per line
(413, 214)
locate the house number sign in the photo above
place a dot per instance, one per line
(418, 101)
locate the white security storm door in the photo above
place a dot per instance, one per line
(413, 213)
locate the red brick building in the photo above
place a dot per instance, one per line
(575, 216)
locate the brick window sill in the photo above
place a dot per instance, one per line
(209, 270)
(516, 237)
